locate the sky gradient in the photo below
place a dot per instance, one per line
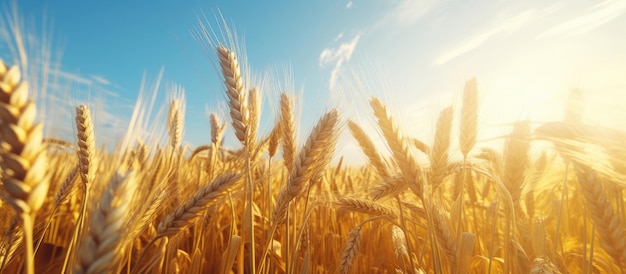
(415, 55)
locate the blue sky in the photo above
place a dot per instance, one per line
(415, 54)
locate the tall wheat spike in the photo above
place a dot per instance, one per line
(24, 161)
(240, 116)
(234, 90)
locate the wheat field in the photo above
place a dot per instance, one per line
(275, 205)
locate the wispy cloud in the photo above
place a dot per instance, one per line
(99, 79)
(349, 5)
(338, 37)
(594, 18)
(511, 25)
(408, 12)
(337, 57)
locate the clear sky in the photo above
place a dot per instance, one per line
(414, 54)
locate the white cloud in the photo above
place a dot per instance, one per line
(337, 57)
(349, 5)
(599, 15)
(343, 52)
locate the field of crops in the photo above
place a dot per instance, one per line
(549, 200)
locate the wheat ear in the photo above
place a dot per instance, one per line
(307, 162)
(234, 91)
(350, 250)
(610, 228)
(275, 137)
(439, 153)
(87, 167)
(24, 161)
(516, 161)
(86, 144)
(397, 144)
(367, 146)
(217, 129)
(543, 265)
(288, 131)
(254, 105)
(390, 186)
(469, 117)
(182, 217)
(175, 124)
(100, 251)
(363, 206)
(445, 237)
